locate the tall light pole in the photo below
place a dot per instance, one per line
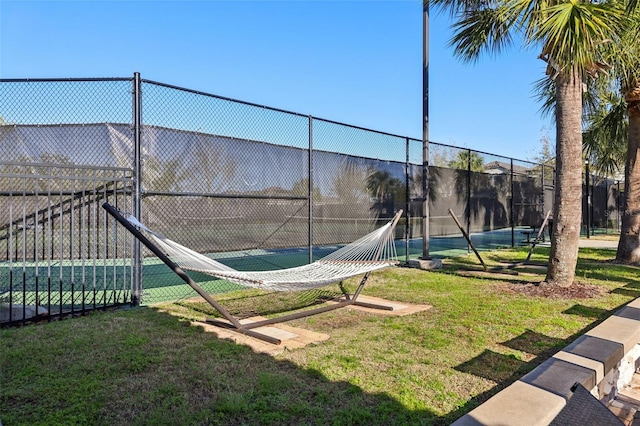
(425, 129)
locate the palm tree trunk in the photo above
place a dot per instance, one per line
(568, 189)
(629, 244)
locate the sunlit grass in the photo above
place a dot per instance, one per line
(145, 366)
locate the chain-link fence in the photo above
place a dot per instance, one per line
(260, 187)
(602, 205)
(59, 254)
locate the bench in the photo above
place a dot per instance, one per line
(528, 233)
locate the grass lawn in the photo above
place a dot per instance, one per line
(145, 366)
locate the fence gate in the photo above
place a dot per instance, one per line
(59, 252)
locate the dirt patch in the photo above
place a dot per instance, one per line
(577, 290)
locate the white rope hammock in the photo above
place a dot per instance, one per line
(372, 252)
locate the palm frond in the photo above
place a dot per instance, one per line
(572, 31)
(457, 7)
(605, 139)
(486, 30)
(626, 56)
(545, 90)
(598, 89)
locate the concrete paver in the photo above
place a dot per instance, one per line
(295, 337)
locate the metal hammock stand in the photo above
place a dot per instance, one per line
(247, 328)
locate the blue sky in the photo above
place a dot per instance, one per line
(356, 62)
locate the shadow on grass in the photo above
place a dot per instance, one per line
(606, 274)
(587, 311)
(493, 366)
(507, 369)
(534, 343)
(632, 289)
(626, 292)
(143, 366)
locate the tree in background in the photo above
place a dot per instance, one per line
(213, 168)
(162, 175)
(348, 184)
(301, 189)
(545, 159)
(382, 186)
(568, 34)
(612, 135)
(605, 136)
(621, 98)
(546, 154)
(440, 156)
(467, 159)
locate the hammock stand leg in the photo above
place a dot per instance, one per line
(234, 323)
(539, 236)
(466, 236)
(534, 243)
(172, 265)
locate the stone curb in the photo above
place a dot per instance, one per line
(602, 360)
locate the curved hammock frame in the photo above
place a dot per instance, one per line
(372, 252)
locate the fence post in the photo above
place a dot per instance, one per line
(592, 198)
(606, 205)
(618, 206)
(468, 209)
(137, 132)
(543, 205)
(511, 215)
(587, 199)
(406, 201)
(310, 189)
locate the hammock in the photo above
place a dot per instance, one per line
(369, 253)
(372, 252)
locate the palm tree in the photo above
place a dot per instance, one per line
(605, 136)
(613, 127)
(467, 160)
(624, 56)
(568, 34)
(629, 243)
(348, 183)
(382, 186)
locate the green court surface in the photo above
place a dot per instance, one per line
(66, 286)
(75, 285)
(161, 284)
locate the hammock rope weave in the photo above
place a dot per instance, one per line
(371, 252)
(374, 251)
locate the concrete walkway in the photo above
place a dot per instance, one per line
(598, 243)
(589, 243)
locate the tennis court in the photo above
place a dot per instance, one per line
(160, 284)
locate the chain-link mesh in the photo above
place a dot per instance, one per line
(260, 187)
(58, 250)
(359, 181)
(602, 205)
(225, 178)
(66, 121)
(61, 158)
(498, 200)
